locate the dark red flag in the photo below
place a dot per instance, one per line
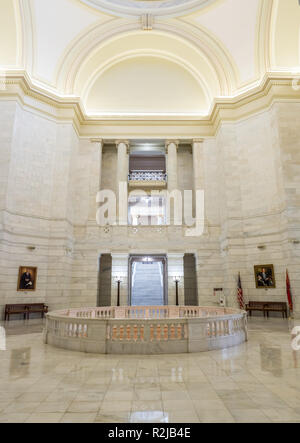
(288, 291)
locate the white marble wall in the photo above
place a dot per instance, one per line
(252, 203)
(289, 140)
(36, 212)
(49, 177)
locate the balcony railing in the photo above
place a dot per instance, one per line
(147, 176)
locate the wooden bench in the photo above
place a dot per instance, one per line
(25, 309)
(37, 308)
(267, 307)
(15, 309)
(277, 307)
(256, 306)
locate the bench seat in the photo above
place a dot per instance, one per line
(25, 309)
(267, 307)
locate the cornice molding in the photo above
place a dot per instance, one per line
(276, 86)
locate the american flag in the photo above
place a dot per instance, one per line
(289, 292)
(240, 294)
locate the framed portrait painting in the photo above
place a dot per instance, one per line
(27, 279)
(265, 276)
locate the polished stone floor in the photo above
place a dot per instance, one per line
(256, 382)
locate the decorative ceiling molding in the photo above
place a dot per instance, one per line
(76, 54)
(127, 8)
(97, 38)
(274, 87)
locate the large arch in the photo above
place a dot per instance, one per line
(100, 46)
(144, 84)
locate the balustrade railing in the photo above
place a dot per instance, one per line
(153, 329)
(147, 312)
(143, 332)
(149, 176)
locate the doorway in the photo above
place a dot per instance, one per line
(148, 280)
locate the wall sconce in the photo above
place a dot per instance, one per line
(118, 280)
(31, 248)
(296, 242)
(261, 247)
(177, 280)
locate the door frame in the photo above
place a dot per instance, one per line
(139, 258)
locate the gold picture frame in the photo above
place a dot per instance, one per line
(27, 279)
(265, 277)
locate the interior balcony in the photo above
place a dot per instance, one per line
(147, 179)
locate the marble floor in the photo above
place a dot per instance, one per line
(256, 382)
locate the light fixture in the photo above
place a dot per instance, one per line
(118, 280)
(147, 260)
(177, 280)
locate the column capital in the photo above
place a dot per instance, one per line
(120, 255)
(198, 140)
(174, 142)
(175, 255)
(124, 142)
(97, 140)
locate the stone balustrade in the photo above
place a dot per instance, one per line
(146, 330)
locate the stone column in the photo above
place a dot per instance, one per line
(175, 269)
(95, 176)
(172, 168)
(172, 171)
(198, 164)
(119, 269)
(122, 180)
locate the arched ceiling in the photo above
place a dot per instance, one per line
(171, 89)
(173, 52)
(156, 7)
